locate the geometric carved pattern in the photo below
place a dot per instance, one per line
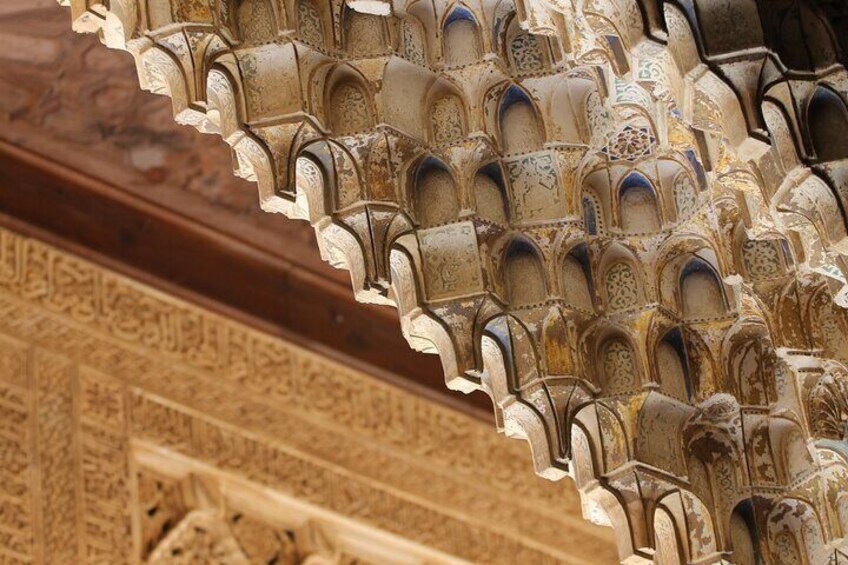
(535, 186)
(629, 144)
(447, 120)
(451, 257)
(761, 258)
(310, 26)
(413, 48)
(359, 107)
(619, 367)
(525, 51)
(685, 196)
(622, 288)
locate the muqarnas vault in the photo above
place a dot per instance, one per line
(623, 220)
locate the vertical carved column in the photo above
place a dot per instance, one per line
(104, 457)
(57, 456)
(18, 520)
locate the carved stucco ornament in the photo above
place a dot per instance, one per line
(623, 220)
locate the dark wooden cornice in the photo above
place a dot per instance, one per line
(42, 198)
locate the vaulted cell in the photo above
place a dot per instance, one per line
(673, 366)
(434, 194)
(743, 535)
(638, 206)
(592, 220)
(701, 290)
(350, 109)
(576, 281)
(364, 34)
(800, 33)
(462, 41)
(414, 41)
(521, 130)
(525, 275)
(827, 120)
(619, 366)
(490, 194)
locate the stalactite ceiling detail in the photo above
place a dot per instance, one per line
(624, 220)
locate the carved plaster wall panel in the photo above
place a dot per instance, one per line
(136, 426)
(651, 147)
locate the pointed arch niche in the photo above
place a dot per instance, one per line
(525, 275)
(490, 194)
(638, 207)
(622, 287)
(462, 41)
(619, 367)
(576, 278)
(827, 120)
(622, 281)
(446, 115)
(701, 292)
(348, 102)
(680, 187)
(666, 539)
(335, 164)
(782, 136)
(520, 127)
(672, 366)
(434, 194)
(743, 535)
